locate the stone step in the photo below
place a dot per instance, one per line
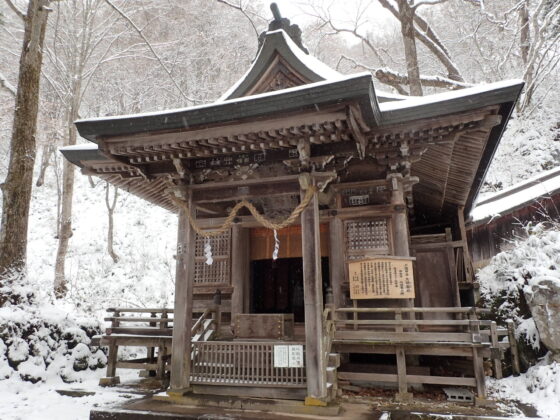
(333, 360)
(331, 375)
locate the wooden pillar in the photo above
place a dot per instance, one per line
(182, 322)
(401, 234)
(313, 298)
(401, 248)
(400, 218)
(337, 266)
(239, 269)
(451, 262)
(469, 272)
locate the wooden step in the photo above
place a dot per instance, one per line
(289, 405)
(251, 391)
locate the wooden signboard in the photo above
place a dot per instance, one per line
(381, 278)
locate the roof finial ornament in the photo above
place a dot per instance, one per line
(279, 22)
(275, 11)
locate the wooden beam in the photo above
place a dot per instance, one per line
(182, 322)
(239, 129)
(313, 301)
(412, 379)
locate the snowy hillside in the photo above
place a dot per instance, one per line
(144, 239)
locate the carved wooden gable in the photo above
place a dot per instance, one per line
(279, 75)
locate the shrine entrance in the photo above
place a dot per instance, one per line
(276, 285)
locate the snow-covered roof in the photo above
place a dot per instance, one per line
(520, 195)
(454, 101)
(220, 103)
(86, 146)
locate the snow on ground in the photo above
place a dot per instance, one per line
(25, 401)
(539, 387)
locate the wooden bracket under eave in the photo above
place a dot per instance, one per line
(107, 154)
(354, 116)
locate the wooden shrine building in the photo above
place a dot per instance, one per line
(365, 194)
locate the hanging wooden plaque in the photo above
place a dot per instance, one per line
(381, 278)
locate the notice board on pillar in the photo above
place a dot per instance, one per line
(381, 278)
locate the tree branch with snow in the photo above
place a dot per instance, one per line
(7, 85)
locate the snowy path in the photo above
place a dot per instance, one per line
(25, 401)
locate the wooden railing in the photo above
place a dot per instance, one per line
(151, 328)
(205, 326)
(458, 332)
(242, 364)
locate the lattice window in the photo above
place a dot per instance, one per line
(366, 236)
(219, 271)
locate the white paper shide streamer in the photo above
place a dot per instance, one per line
(276, 246)
(208, 252)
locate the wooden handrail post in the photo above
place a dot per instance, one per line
(478, 364)
(162, 349)
(111, 379)
(150, 351)
(217, 315)
(495, 350)
(513, 348)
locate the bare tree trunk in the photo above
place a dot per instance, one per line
(48, 150)
(524, 33)
(426, 35)
(406, 18)
(17, 187)
(65, 217)
(110, 211)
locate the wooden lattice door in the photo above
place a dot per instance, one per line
(219, 272)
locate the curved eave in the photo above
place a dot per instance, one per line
(82, 153)
(504, 94)
(315, 96)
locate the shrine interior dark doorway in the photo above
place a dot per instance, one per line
(277, 286)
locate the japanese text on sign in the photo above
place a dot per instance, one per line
(381, 278)
(288, 356)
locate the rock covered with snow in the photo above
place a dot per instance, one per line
(539, 387)
(544, 301)
(42, 341)
(523, 284)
